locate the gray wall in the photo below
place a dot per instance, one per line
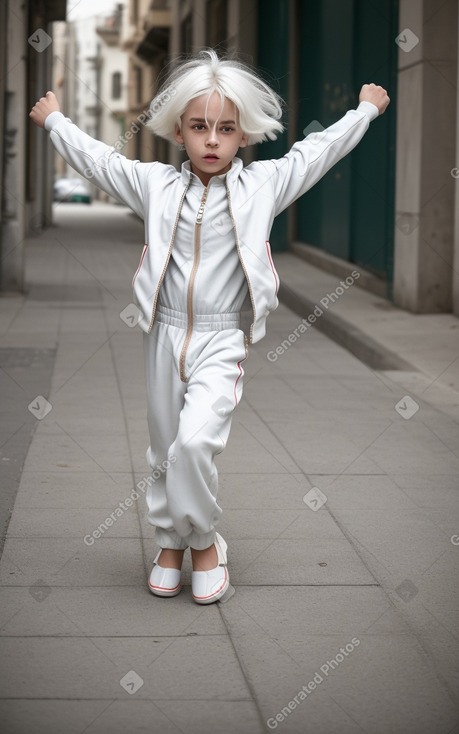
(426, 154)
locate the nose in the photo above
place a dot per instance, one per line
(212, 137)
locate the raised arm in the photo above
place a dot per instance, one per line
(102, 164)
(310, 159)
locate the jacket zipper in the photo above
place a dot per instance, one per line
(189, 300)
(242, 263)
(168, 256)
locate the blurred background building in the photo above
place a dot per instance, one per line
(90, 79)
(391, 208)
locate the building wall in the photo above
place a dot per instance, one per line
(113, 98)
(60, 33)
(26, 173)
(426, 152)
(87, 75)
(455, 174)
(13, 193)
(142, 75)
(113, 61)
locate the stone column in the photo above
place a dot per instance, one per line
(455, 174)
(426, 132)
(12, 228)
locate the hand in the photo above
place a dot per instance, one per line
(43, 108)
(376, 95)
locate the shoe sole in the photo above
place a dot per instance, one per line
(214, 597)
(165, 592)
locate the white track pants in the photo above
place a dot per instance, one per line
(189, 422)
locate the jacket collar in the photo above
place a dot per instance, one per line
(233, 173)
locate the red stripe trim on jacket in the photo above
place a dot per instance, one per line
(268, 250)
(140, 264)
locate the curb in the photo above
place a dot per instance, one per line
(344, 333)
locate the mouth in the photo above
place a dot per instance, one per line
(211, 157)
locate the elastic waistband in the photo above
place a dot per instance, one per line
(201, 321)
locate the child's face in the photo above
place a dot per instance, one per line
(210, 146)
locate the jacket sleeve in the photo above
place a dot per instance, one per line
(310, 159)
(102, 164)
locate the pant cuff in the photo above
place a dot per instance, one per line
(200, 542)
(170, 539)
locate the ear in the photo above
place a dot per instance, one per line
(178, 135)
(244, 141)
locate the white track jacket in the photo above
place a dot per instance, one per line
(256, 194)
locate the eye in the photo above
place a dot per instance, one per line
(228, 129)
(198, 125)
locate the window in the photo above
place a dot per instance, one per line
(116, 85)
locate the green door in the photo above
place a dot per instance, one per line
(344, 44)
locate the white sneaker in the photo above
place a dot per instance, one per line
(209, 586)
(164, 581)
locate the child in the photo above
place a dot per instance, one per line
(206, 281)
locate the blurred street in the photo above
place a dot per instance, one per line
(339, 490)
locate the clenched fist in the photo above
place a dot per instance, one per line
(43, 108)
(376, 95)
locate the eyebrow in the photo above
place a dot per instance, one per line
(201, 119)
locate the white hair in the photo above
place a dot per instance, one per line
(260, 108)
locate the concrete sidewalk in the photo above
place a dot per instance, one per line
(339, 489)
(418, 351)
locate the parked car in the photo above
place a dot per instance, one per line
(72, 189)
